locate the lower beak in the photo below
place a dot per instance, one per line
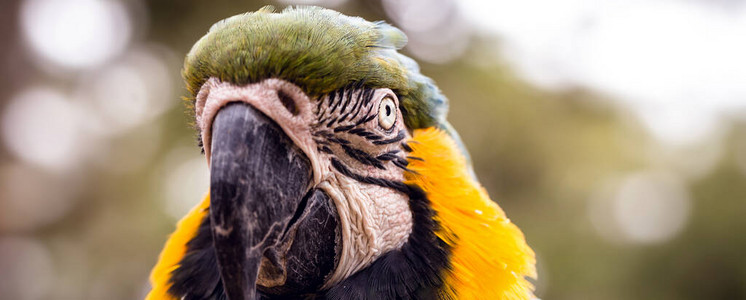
(258, 178)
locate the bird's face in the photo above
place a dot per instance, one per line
(305, 191)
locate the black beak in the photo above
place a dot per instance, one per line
(259, 178)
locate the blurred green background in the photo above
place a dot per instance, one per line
(612, 132)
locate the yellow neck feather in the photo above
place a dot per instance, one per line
(174, 251)
(490, 258)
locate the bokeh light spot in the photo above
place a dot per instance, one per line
(75, 34)
(40, 125)
(419, 15)
(129, 92)
(434, 28)
(642, 208)
(121, 96)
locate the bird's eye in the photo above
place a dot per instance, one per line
(387, 113)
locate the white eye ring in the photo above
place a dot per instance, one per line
(387, 113)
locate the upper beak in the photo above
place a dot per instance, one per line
(258, 179)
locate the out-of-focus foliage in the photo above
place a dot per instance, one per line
(611, 213)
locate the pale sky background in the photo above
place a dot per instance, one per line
(679, 64)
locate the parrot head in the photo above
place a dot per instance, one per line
(333, 173)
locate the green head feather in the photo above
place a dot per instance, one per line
(319, 50)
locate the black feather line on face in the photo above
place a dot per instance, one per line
(357, 108)
(398, 138)
(365, 120)
(373, 137)
(400, 162)
(347, 100)
(388, 155)
(340, 141)
(319, 102)
(357, 130)
(341, 168)
(368, 95)
(333, 103)
(366, 134)
(324, 133)
(326, 150)
(362, 156)
(331, 122)
(367, 98)
(331, 98)
(343, 128)
(322, 142)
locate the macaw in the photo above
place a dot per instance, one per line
(333, 173)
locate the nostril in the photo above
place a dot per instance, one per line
(288, 102)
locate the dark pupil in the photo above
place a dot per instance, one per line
(388, 110)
